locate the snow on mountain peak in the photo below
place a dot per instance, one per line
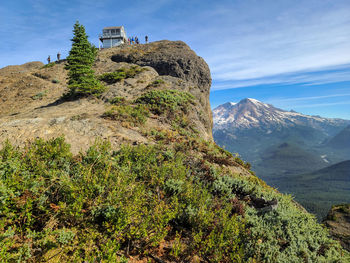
(250, 112)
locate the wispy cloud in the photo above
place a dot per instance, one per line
(314, 105)
(288, 41)
(330, 74)
(311, 98)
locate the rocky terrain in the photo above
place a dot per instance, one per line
(134, 175)
(31, 105)
(338, 221)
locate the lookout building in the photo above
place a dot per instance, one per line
(113, 36)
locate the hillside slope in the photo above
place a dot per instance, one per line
(319, 190)
(137, 177)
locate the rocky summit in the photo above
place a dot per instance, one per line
(133, 174)
(31, 107)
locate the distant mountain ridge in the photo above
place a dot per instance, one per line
(282, 145)
(251, 126)
(319, 190)
(249, 113)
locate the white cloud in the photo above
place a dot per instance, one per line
(289, 42)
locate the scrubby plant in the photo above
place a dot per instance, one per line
(117, 100)
(39, 95)
(129, 114)
(82, 81)
(120, 74)
(49, 65)
(156, 83)
(103, 204)
(166, 101)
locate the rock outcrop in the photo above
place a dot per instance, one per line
(31, 107)
(172, 58)
(338, 223)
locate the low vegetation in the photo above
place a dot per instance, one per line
(120, 74)
(39, 95)
(167, 101)
(49, 65)
(128, 114)
(105, 205)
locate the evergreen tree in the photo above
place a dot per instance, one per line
(82, 81)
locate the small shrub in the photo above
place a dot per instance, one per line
(117, 100)
(49, 65)
(39, 95)
(120, 74)
(162, 101)
(156, 83)
(126, 113)
(55, 81)
(112, 77)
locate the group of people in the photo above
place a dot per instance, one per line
(135, 40)
(58, 58)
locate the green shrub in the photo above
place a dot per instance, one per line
(55, 81)
(165, 101)
(117, 100)
(126, 113)
(102, 204)
(156, 83)
(49, 65)
(39, 95)
(120, 74)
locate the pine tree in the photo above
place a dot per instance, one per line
(82, 81)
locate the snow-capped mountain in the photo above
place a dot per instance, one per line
(255, 130)
(251, 113)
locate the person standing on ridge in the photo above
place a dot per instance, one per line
(146, 39)
(48, 59)
(132, 40)
(137, 40)
(58, 57)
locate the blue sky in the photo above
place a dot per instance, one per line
(294, 54)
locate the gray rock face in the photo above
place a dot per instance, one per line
(173, 58)
(176, 59)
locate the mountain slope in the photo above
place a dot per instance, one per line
(319, 190)
(250, 113)
(286, 159)
(281, 145)
(154, 187)
(250, 127)
(341, 140)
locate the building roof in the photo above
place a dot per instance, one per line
(114, 27)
